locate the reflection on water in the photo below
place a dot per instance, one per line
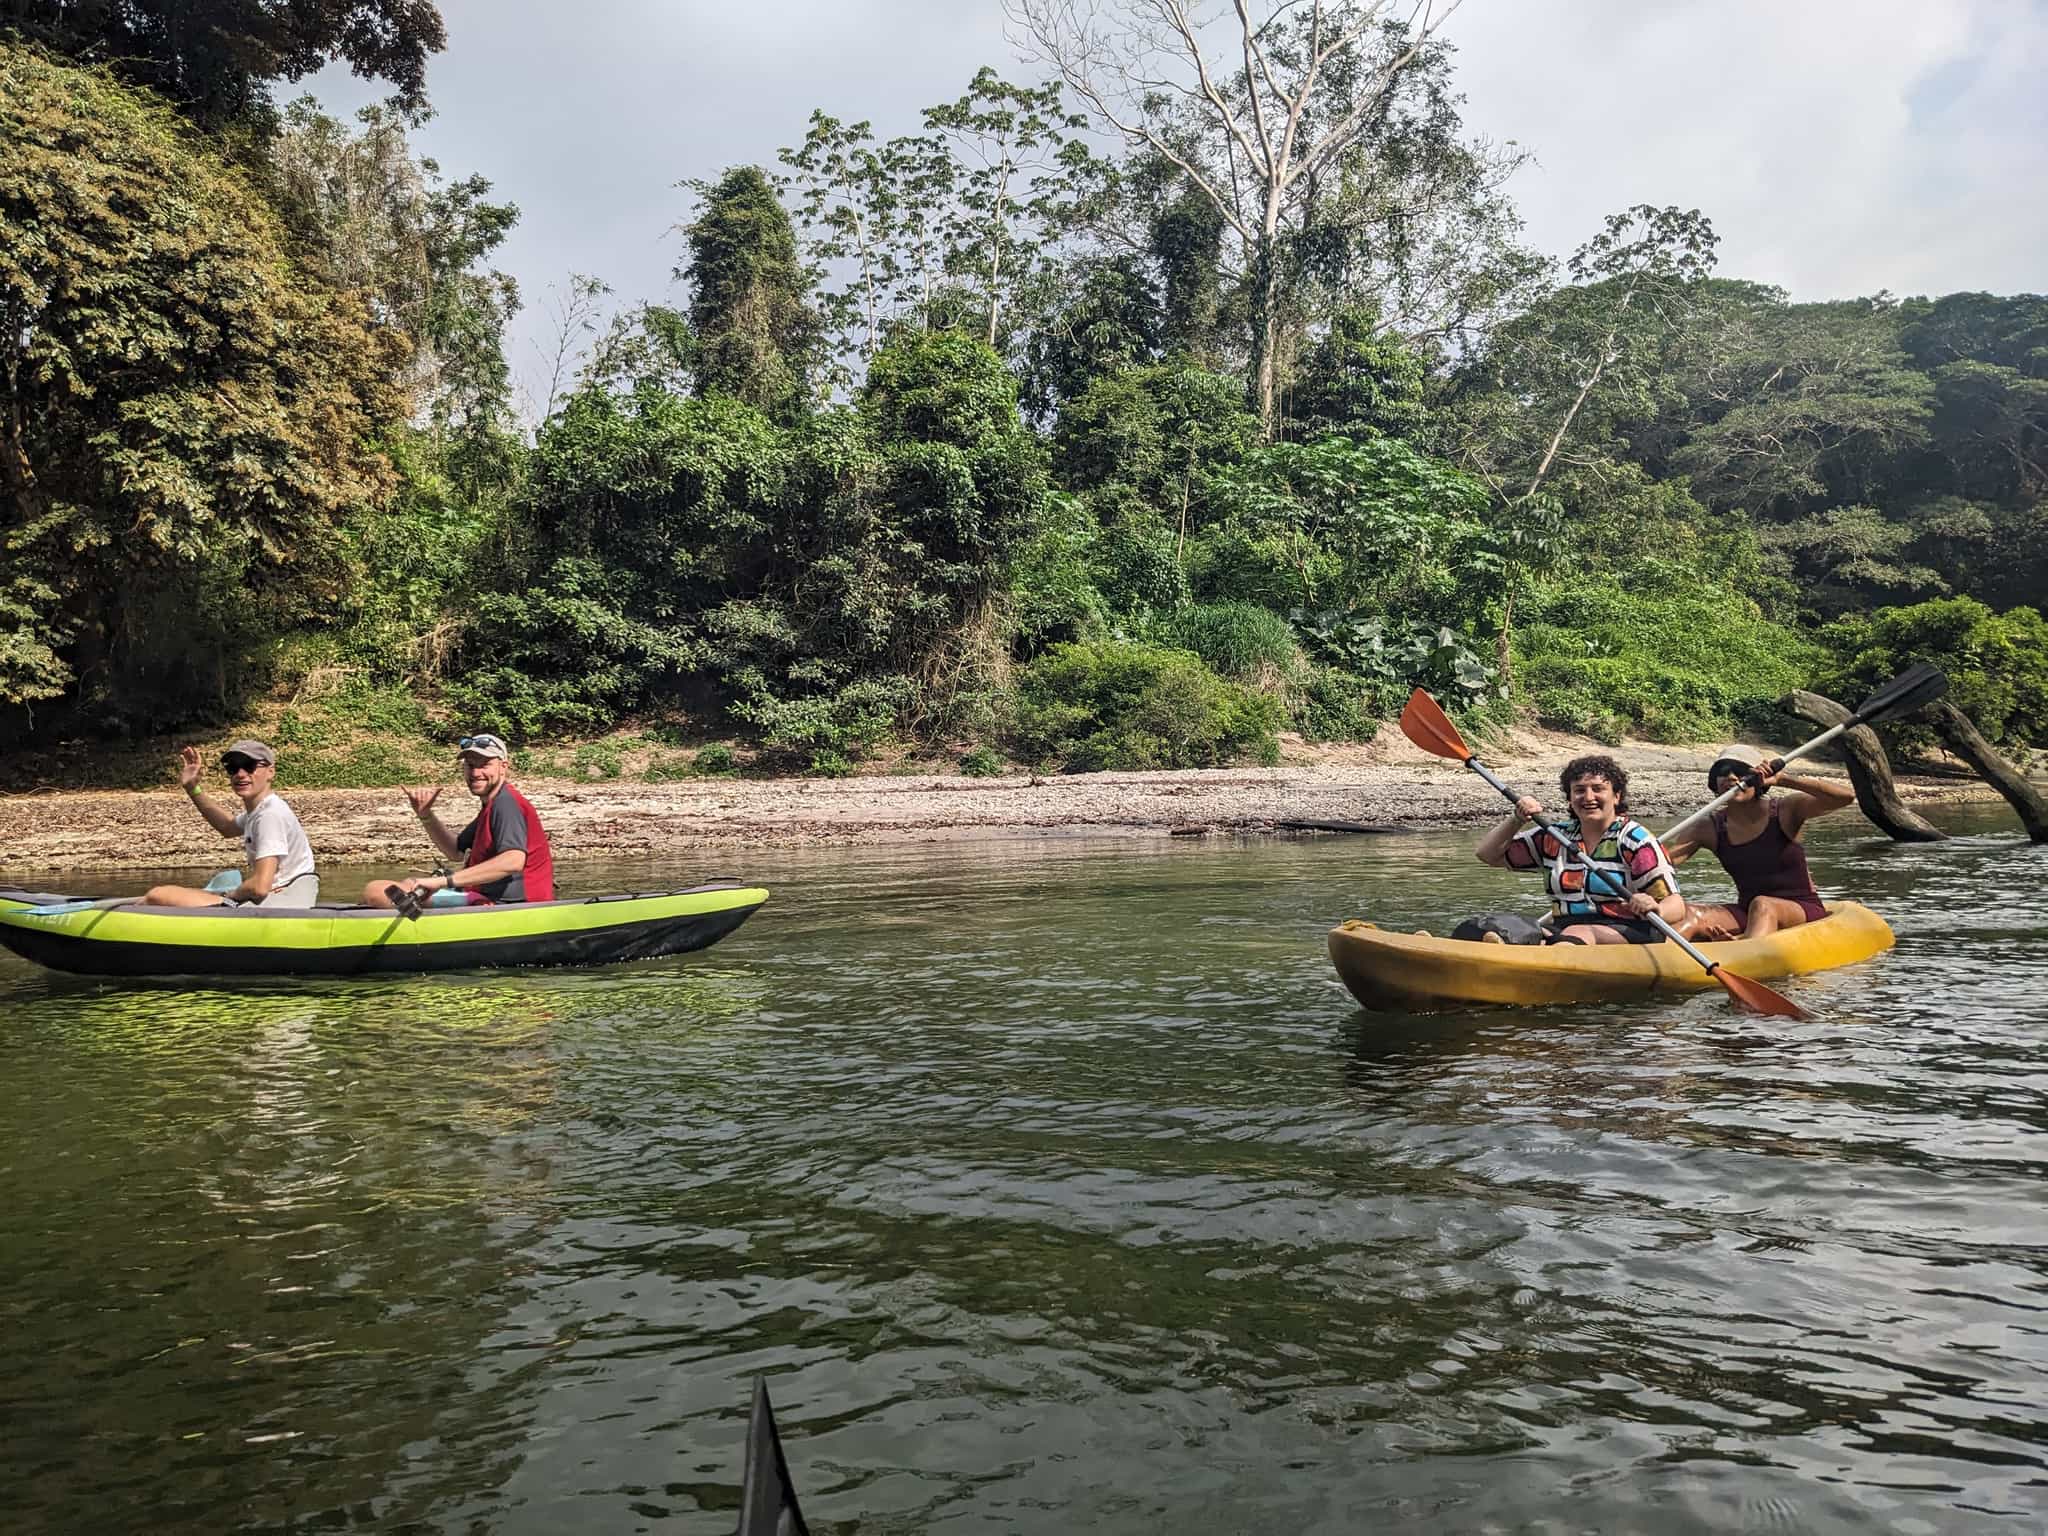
(1061, 1187)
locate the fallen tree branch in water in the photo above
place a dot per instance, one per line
(1869, 770)
(1968, 743)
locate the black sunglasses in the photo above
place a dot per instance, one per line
(240, 764)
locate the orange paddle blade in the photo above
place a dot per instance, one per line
(1424, 722)
(1757, 997)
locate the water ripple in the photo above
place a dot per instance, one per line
(1058, 1187)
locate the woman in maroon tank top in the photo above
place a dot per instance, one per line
(1758, 839)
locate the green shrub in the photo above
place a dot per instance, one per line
(1656, 653)
(982, 763)
(1394, 660)
(830, 731)
(1338, 706)
(1237, 640)
(1997, 663)
(1122, 705)
(714, 760)
(1053, 593)
(597, 760)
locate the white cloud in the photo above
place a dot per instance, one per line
(1805, 131)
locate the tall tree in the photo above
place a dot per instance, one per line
(180, 408)
(377, 221)
(1010, 142)
(1249, 118)
(956, 225)
(1588, 357)
(214, 59)
(870, 214)
(756, 334)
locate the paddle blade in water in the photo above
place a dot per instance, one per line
(767, 1493)
(1919, 684)
(1757, 997)
(1424, 722)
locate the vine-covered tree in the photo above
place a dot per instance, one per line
(181, 411)
(756, 334)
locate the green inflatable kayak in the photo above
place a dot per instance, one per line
(122, 937)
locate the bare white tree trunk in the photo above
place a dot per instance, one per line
(1123, 60)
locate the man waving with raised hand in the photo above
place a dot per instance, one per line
(505, 850)
(280, 870)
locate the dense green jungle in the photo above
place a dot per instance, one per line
(1011, 440)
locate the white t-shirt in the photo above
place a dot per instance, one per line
(271, 831)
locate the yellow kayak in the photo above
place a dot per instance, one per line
(1414, 972)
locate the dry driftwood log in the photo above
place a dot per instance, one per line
(1869, 770)
(1965, 741)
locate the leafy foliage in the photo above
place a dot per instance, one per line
(184, 418)
(215, 58)
(1997, 663)
(1118, 704)
(977, 448)
(1361, 524)
(1656, 652)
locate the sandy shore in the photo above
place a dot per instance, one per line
(1386, 782)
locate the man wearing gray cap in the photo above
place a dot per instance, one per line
(505, 851)
(280, 861)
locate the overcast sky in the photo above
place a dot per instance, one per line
(1839, 146)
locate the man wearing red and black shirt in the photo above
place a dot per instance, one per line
(505, 850)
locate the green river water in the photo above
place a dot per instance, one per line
(1057, 1186)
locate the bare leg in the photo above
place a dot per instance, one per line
(181, 896)
(1592, 933)
(375, 894)
(1767, 914)
(1709, 924)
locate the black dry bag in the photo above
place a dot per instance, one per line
(1511, 927)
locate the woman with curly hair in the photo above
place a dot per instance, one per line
(1606, 872)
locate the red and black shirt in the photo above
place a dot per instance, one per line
(509, 821)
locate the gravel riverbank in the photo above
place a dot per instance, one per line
(1387, 782)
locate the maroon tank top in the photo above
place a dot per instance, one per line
(1769, 864)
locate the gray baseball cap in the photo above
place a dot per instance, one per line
(485, 745)
(255, 751)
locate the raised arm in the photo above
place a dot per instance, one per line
(437, 831)
(1808, 798)
(222, 821)
(1493, 848)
